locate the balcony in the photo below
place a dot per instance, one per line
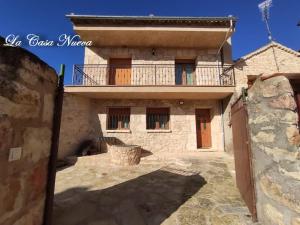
(170, 81)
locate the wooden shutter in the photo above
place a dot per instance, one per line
(120, 71)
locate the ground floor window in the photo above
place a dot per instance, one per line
(118, 118)
(157, 118)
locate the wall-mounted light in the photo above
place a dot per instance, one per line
(153, 51)
(181, 102)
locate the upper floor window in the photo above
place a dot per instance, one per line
(184, 72)
(118, 118)
(157, 118)
(119, 71)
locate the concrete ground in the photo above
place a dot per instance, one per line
(189, 189)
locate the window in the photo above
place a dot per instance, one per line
(184, 72)
(158, 118)
(118, 118)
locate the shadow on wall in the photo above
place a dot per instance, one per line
(149, 199)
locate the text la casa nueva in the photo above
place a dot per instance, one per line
(35, 41)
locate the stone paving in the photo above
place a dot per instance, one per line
(189, 189)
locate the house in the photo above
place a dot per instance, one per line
(272, 58)
(157, 82)
(269, 138)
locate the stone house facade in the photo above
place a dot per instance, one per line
(160, 86)
(269, 59)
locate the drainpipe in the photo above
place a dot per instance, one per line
(54, 148)
(222, 123)
(231, 28)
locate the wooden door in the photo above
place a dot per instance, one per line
(203, 128)
(184, 72)
(120, 71)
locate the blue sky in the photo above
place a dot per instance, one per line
(47, 19)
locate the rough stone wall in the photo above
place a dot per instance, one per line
(75, 126)
(165, 75)
(182, 133)
(86, 119)
(261, 62)
(27, 88)
(275, 143)
(264, 62)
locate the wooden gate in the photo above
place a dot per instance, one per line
(243, 155)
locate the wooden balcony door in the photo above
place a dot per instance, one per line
(120, 71)
(184, 72)
(203, 128)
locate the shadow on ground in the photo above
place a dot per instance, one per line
(149, 199)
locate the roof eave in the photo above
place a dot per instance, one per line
(152, 20)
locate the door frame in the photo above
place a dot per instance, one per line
(196, 114)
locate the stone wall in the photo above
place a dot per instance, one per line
(269, 59)
(180, 137)
(164, 59)
(275, 144)
(76, 124)
(27, 87)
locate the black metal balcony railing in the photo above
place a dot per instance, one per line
(152, 75)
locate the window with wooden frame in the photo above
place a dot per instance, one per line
(157, 118)
(118, 118)
(185, 72)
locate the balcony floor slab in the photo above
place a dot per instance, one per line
(151, 92)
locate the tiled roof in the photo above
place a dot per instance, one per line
(266, 47)
(151, 20)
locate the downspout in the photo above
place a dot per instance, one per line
(222, 123)
(231, 28)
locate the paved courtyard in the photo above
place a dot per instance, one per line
(189, 189)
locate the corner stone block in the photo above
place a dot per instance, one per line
(270, 91)
(275, 191)
(273, 214)
(285, 101)
(10, 193)
(18, 93)
(293, 135)
(37, 142)
(34, 215)
(296, 221)
(18, 111)
(39, 68)
(36, 179)
(6, 133)
(48, 108)
(263, 137)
